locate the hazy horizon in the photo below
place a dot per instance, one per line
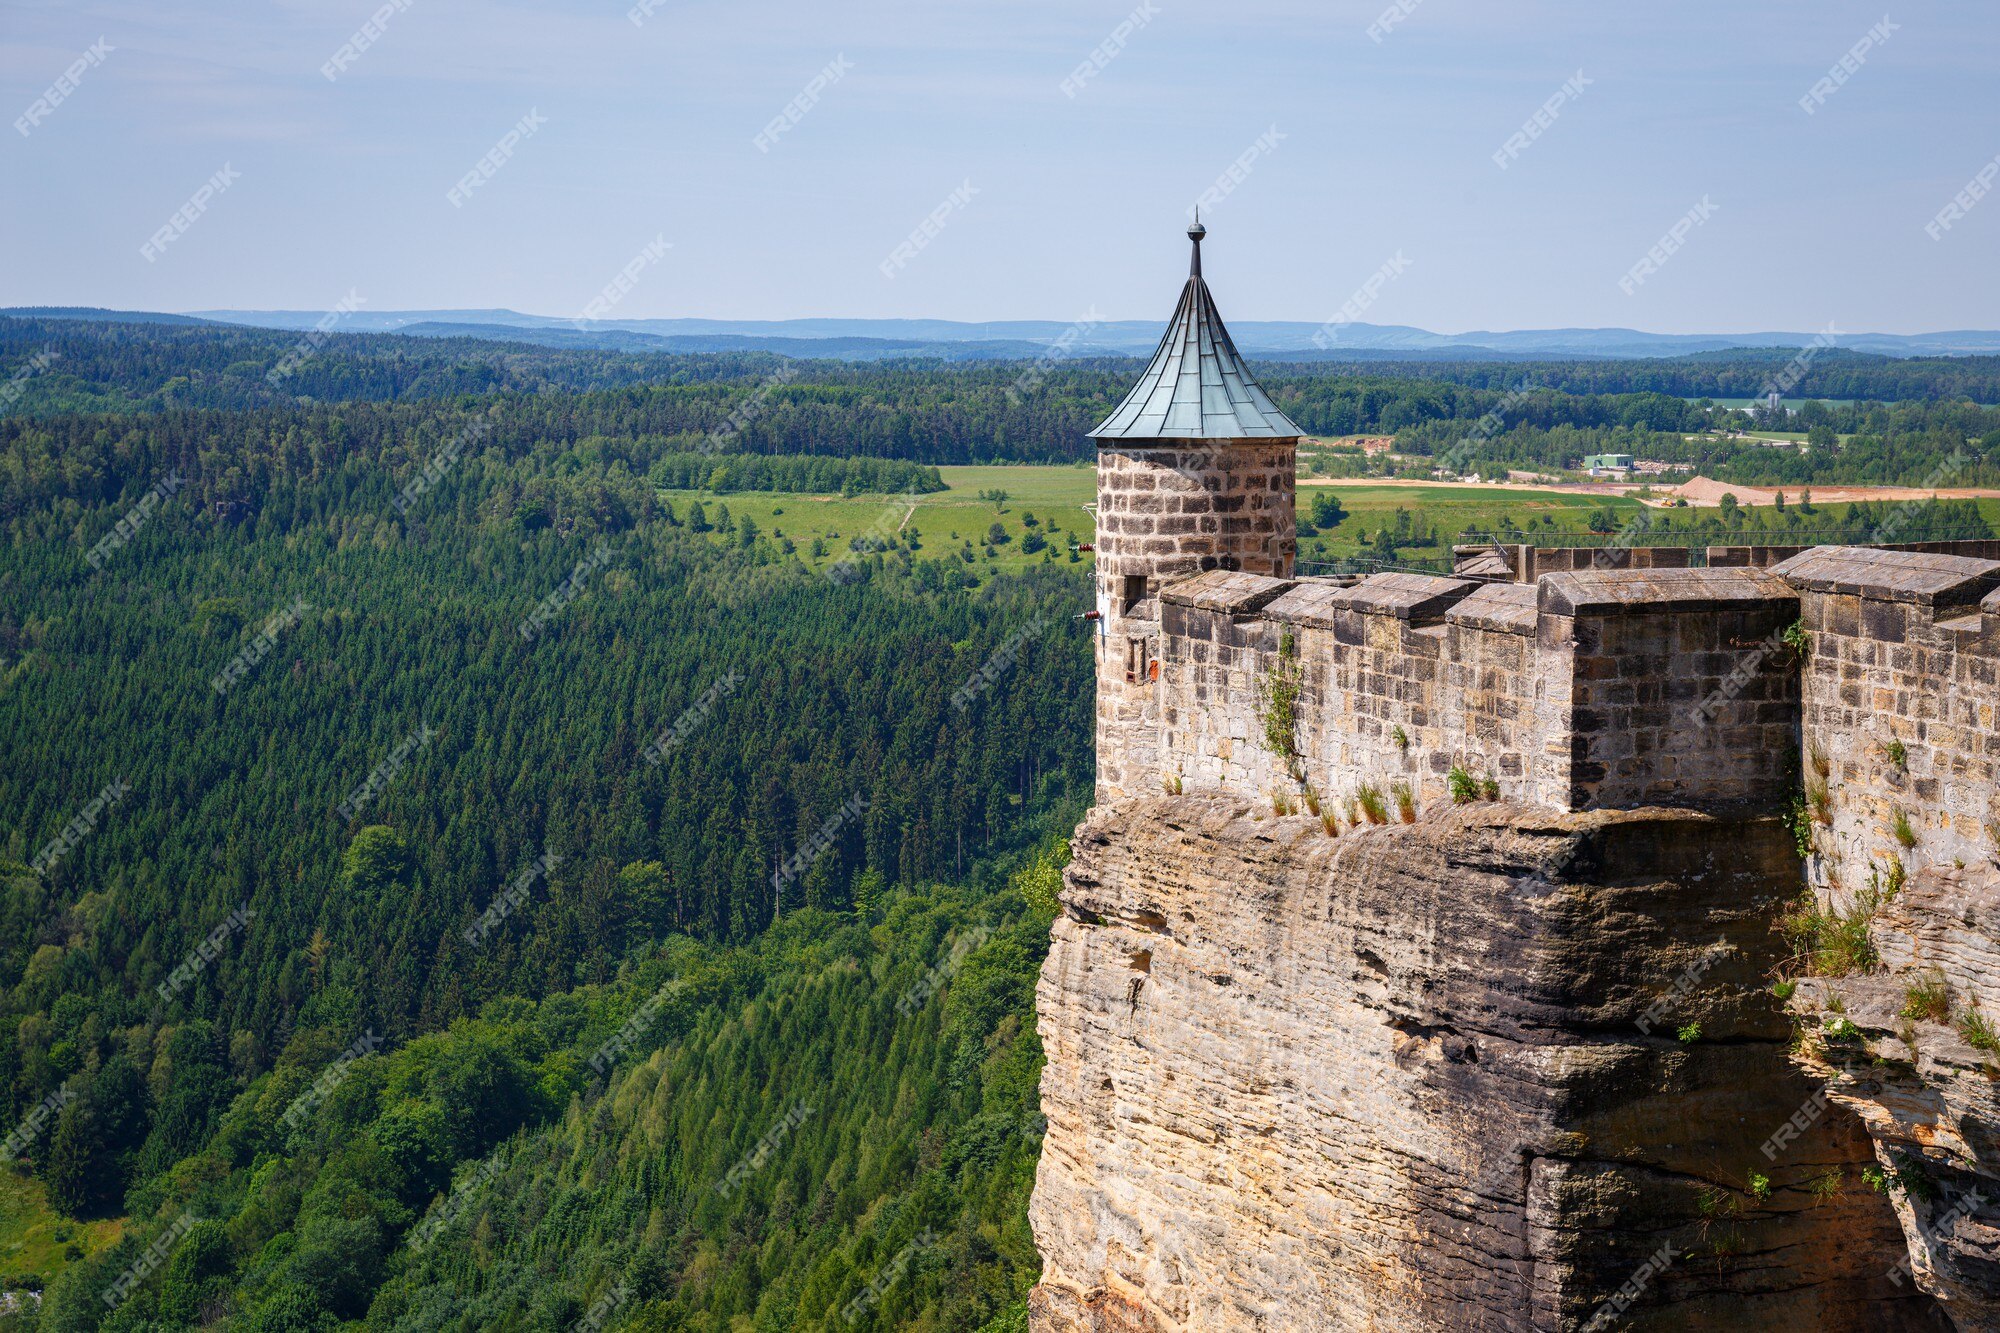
(1060, 181)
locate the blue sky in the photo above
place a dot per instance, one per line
(1065, 204)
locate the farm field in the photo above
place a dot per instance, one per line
(1443, 510)
(820, 527)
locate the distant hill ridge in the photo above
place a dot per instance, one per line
(871, 339)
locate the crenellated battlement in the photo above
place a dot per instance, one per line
(1478, 1068)
(1900, 709)
(1569, 679)
(1595, 689)
(1584, 691)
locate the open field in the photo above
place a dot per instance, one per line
(34, 1238)
(1841, 495)
(1072, 485)
(1447, 508)
(1594, 491)
(820, 527)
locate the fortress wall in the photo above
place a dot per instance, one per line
(1525, 563)
(1904, 648)
(1426, 674)
(1764, 557)
(1609, 689)
(1678, 695)
(1128, 707)
(1461, 691)
(1211, 658)
(1533, 562)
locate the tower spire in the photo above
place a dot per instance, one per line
(1197, 387)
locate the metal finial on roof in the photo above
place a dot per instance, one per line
(1197, 386)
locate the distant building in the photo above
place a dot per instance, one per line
(1598, 465)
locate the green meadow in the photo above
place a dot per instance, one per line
(1423, 520)
(1047, 501)
(36, 1242)
(1050, 500)
(1443, 512)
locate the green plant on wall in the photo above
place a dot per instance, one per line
(1826, 942)
(1798, 818)
(1278, 699)
(1928, 997)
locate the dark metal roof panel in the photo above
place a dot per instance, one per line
(1197, 386)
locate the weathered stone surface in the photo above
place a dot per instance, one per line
(1929, 1098)
(1419, 1077)
(1165, 511)
(1662, 687)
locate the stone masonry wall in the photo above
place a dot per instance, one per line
(1607, 689)
(1170, 509)
(1681, 695)
(1167, 510)
(1900, 761)
(1901, 688)
(1461, 692)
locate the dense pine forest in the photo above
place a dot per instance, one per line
(444, 887)
(443, 890)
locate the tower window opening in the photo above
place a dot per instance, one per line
(1139, 661)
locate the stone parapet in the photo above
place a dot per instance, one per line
(1601, 689)
(1900, 690)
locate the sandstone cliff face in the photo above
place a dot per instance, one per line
(1901, 772)
(1930, 1099)
(1421, 1076)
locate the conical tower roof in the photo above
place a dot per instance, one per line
(1197, 387)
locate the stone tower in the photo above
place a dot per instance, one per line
(1196, 470)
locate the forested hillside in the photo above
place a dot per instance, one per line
(353, 805)
(102, 398)
(448, 883)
